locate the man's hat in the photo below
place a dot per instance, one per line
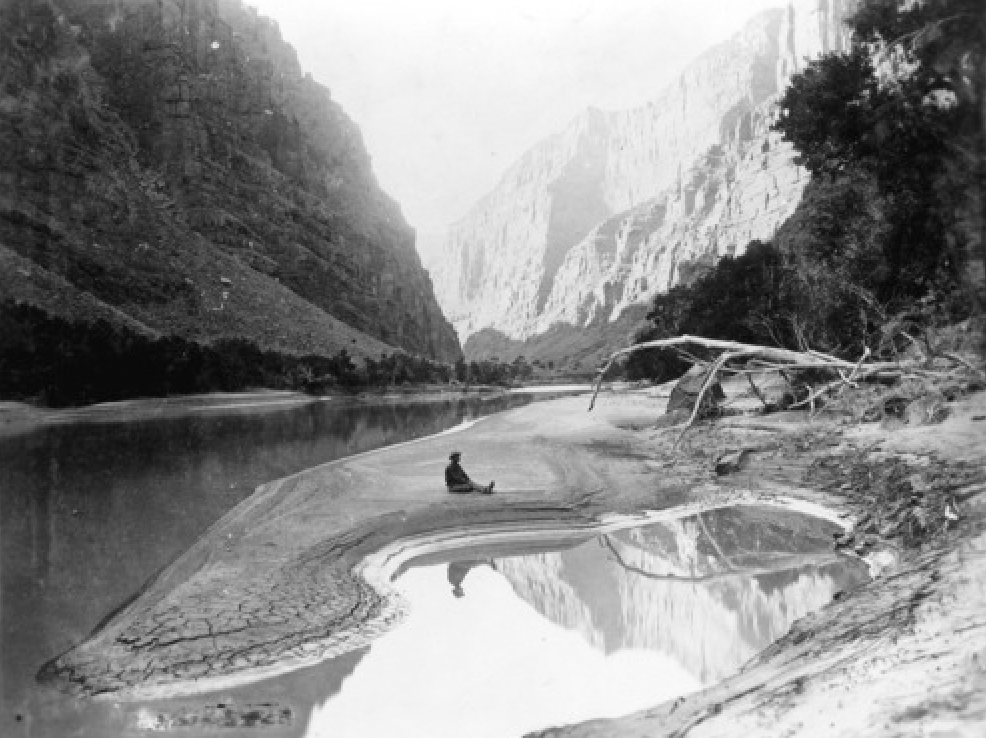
(454, 455)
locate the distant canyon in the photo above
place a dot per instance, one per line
(561, 258)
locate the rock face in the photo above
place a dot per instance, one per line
(169, 163)
(624, 205)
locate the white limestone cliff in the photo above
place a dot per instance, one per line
(622, 205)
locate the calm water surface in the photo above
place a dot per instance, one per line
(499, 641)
(501, 644)
(89, 510)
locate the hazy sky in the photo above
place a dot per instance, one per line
(448, 93)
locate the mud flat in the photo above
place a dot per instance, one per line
(297, 573)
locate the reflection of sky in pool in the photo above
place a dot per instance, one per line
(487, 664)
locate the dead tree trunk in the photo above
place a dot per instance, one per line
(772, 359)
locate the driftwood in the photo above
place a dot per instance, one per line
(771, 359)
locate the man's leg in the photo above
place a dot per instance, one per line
(464, 489)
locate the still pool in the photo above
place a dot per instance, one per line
(504, 640)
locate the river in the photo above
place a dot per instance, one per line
(91, 509)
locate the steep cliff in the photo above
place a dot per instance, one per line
(167, 164)
(738, 190)
(660, 191)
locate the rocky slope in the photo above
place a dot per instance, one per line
(570, 347)
(623, 205)
(168, 165)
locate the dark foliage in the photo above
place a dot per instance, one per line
(902, 110)
(824, 115)
(491, 371)
(55, 362)
(742, 298)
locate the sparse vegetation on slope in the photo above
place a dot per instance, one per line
(176, 173)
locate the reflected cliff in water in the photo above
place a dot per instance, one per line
(500, 644)
(710, 591)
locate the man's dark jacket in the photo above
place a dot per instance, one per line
(456, 475)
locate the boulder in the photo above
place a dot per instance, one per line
(730, 462)
(686, 392)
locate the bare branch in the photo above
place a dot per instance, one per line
(783, 361)
(710, 379)
(959, 360)
(687, 356)
(756, 390)
(784, 563)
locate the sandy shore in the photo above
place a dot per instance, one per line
(289, 576)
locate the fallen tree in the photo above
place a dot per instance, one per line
(749, 359)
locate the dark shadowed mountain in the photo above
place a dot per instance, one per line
(165, 164)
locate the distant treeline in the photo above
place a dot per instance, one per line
(884, 232)
(55, 362)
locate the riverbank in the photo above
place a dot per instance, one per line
(904, 654)
(272, 582)
(20, 416)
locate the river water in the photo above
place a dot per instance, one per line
(498, 642)
(90, 510)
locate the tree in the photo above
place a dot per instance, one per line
(521, 369)
(942, 44)
(886, 112)
(825, 112)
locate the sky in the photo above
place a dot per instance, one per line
(449, 93)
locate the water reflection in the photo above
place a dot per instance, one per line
(710, 591)
(487, 664)
(89, 511)
(604, 628)
(457, 571)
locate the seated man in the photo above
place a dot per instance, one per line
(458, 482)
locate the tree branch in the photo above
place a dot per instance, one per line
(772, 359)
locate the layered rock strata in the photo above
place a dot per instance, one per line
(173, 165)
(621, 206)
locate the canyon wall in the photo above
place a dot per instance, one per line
(166, 163)
(623, 205)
